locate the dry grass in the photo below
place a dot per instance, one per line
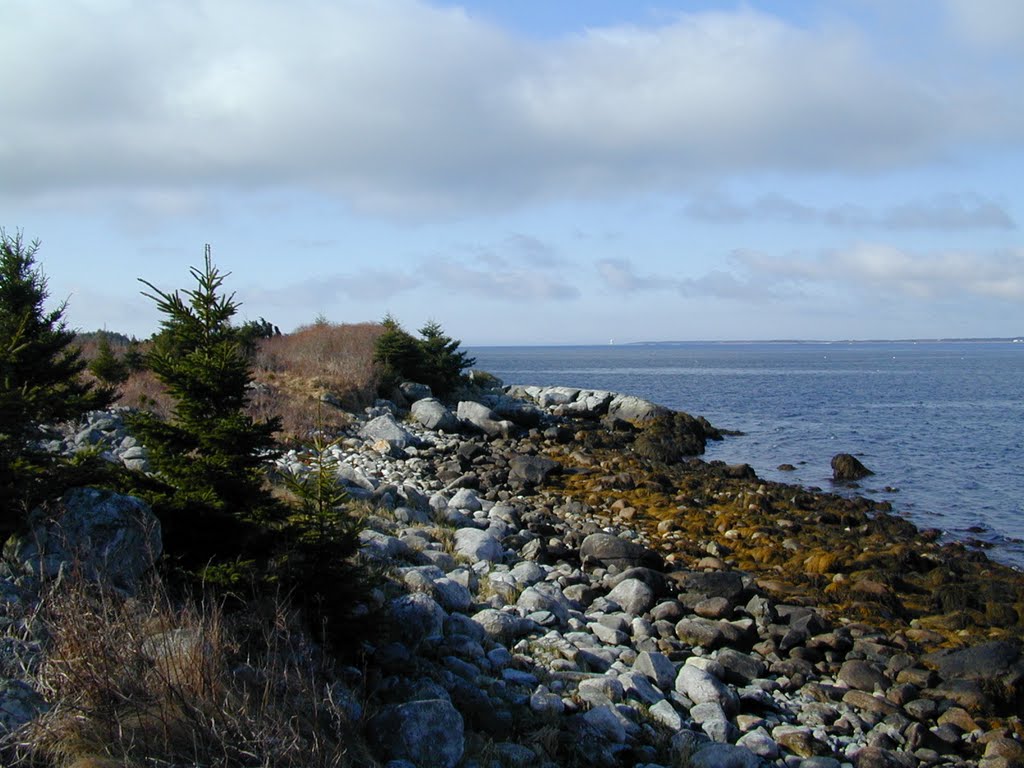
(142, 682)
(307, 379)
(298, 372)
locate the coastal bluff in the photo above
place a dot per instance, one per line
(566, 581)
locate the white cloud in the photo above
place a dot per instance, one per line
(988, 23)
(400, 106)
(940, 213)
(881, 269)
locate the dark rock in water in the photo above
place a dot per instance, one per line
(786, 468)
(605, 550)
(671, 437)
(846, 467)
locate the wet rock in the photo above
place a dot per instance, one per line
(846, 467)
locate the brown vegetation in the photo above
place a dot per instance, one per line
(301, 377)
(143, 682)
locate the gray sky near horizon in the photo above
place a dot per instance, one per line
(528, 174)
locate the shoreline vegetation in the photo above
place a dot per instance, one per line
(503, 575)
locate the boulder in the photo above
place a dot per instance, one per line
(634, 409)
(481, 418)
(429, 734)
(846, 467)
(633, 595)
(414, 392)
(531, 470)
(671, 437)
(384, 427)
(418, 617)
(431, 413)
(19, 704)
(604, 549)
(111, 537)
(478, 546)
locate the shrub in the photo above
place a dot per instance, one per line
(434, 359)
(40, 374)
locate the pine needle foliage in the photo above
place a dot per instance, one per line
(325, 534)
(210, 451)
(40, 373)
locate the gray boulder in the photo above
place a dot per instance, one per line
(418, 617)
(635, 410)
(604, 549)
(19, 704)
(111, 537)
(478, 545)
(724, 756)
(633, 595)
(432, 414)
(384, 427)
(530, 470)
(429, 734)
(414, 392)
(481, 418)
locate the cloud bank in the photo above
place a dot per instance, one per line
(405, 107)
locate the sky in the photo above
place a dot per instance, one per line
(527, 172)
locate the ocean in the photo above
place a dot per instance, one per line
(940, 423)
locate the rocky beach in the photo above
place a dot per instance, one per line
(564, 581)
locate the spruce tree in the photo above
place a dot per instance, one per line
(443, 361)
(40, 373)
(210, 451)
(398, 354)
(106, 366)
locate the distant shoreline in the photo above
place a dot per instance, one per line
(721, 342)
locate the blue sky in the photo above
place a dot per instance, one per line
(527, 172)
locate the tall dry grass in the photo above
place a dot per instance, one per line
(306, 377)
(146, 682)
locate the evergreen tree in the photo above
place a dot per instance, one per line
(442, 361)
(106, 366)
(399, 355)
(40, 371)
(210, 451)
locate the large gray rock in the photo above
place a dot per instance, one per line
(110, 537)
(724, 756)
(478, 545)
(500, 626)
(658, 667)
(19, 704)
(385, 428)
(432, 414)
(635, 410)
(604, 549)
(418, 617)
(479, 417)
(633, 595)
(702, 687)
(429, 734)
(530, 470)
(413, 391)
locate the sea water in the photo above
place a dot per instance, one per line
(941, 424)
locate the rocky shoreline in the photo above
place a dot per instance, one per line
(567, 583)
